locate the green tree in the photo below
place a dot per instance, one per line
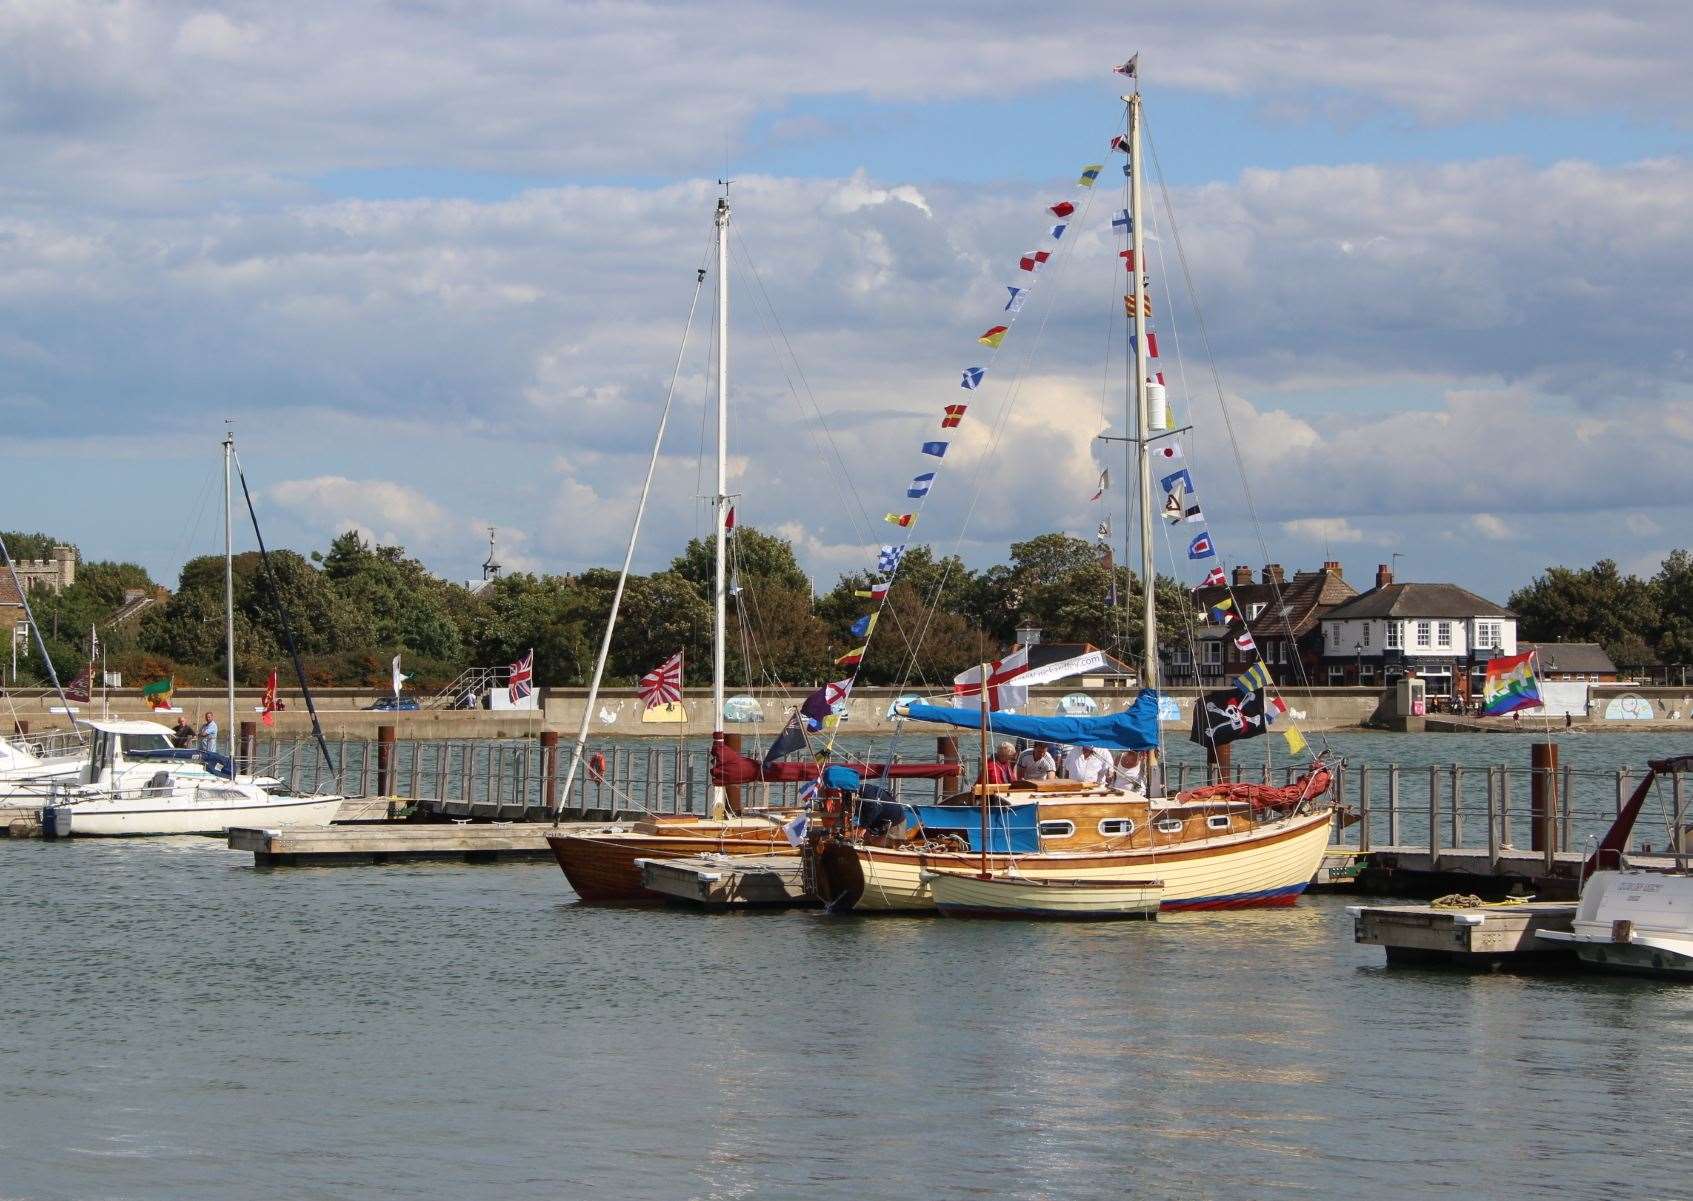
(1672, 590)
(31, 546)
(756, 557)
(1594, 604)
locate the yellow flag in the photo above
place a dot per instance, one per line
(1295, 740)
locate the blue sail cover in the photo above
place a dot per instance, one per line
(1010, 830)
(1134, 729)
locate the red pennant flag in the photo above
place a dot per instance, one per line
(729, 520)
(1128, 257)
(1062, 209)
(269, 703)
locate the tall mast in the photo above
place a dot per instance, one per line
(720, 588)
(229, 589)
(1141, 421)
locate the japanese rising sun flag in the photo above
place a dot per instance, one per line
(663, 684)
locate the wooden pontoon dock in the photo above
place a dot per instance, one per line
(1485, 937)
(729, 881)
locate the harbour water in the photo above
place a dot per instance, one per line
(179, 1025)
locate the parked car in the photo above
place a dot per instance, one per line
(395, 704)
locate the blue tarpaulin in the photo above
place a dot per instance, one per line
(1134, 729)
(1010, 830)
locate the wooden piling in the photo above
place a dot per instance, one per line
(249, 744)
(549, 769)
(22, 727)
(1433, 817)
(1492, 817)
(1393, 805)
(1364, 808)
(1457, 806)
(946, 751)
(384, 760)
(1543, 798)
(1217, 766)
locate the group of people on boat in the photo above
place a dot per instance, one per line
(1086, 764)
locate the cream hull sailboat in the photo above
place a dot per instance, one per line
(965, 894)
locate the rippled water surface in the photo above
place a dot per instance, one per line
(179, 1025)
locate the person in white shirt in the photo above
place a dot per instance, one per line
(1036, 763)
(1126, 772)
(1087, 764)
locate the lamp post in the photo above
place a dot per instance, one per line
(1358, 671)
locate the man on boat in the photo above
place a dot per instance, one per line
(1088, 764)
(209, 733)
(1126, 773)
(1002, 768)
(1036, 763)
(182, 734)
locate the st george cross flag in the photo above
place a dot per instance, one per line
(1033, 259)
(972, 377)
(954, 414)
(875, 592)
(663, 684)
(1215, 578)
(887, 559)
(937, 449)
(1223, 717)
(1018, 296)
(920, 485)
(520, 683)
(903, 520)
(1003, 692)
(1090, 174)
(1121, 220)
(1062, 209)
(1104, 483)
(1200, 547)
(1130, 68)
(820, 705)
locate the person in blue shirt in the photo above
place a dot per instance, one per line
(209, 733)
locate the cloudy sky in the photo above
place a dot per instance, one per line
(434, 260)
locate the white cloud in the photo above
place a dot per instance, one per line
(1323, 529)
(1490, 526)
(381, 509)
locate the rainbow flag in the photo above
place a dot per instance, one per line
(1511, 685)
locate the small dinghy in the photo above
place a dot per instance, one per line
(960, 894)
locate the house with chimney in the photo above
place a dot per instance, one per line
(54, 574)
(1441, 632)
(1282, 616)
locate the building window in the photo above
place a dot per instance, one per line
(1364, 638)
(1213, 653)
(1334, 635)
(1393, 635)
(1337, 675)
(1443, 634)
(1179, 656)
(1424, 629)
(1257, 608)
(1487, 635)
(1366, 673)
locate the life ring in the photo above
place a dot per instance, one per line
(596, 768)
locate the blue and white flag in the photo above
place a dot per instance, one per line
(938, 449)
(794, 831)
(973, 375)
(1169, 482)
(1200, 547)
(1014, 305)
(1058, 230)
(887, 559)
(920, 485)
(1123, 221)
(861, 627)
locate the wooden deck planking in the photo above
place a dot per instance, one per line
(729, 881)
(381, 842)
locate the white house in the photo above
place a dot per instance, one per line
(1442, 632)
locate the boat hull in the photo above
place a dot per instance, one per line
(1269, 866)
(600, 866)
(961, 895)
(102, 819)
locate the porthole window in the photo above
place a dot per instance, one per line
(1117, 827)
(1169, 825)
(1057, 829)
(1218, 821)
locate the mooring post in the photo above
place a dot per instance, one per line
(1505, 807)
(1217, 766)
(384, 760)
(1364, 808)
(1393, 805)
(1337, 820)
(1492, 823)
(1543, 802)
(22, 727)
(549, 768)
(946, 751)
(1622, 788)
(249, 747)
(1433, 817)
(1678, 829)
(1566, 795)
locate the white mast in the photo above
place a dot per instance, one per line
(1142, 423)
(229, 589)
(720, 589)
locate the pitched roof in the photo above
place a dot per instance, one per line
(1306, 598)
(1570, 656)
(1418, 600)
(9, 591)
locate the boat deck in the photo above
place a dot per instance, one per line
(729, 881)
(1490, 937)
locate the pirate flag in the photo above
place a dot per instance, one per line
(1227, 716)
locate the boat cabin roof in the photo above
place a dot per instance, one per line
(112, 726)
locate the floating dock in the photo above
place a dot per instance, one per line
(386, 842)
(1485, 937)
(729, 881)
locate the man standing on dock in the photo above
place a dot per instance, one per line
(209, 734)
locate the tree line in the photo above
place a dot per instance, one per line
(354, 606)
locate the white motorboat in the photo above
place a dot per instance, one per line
(136, 781)
(1633, 921)
(27, 762)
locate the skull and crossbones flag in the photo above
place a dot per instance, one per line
(1227, 716)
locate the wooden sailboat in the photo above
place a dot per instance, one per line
(1211, 848)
